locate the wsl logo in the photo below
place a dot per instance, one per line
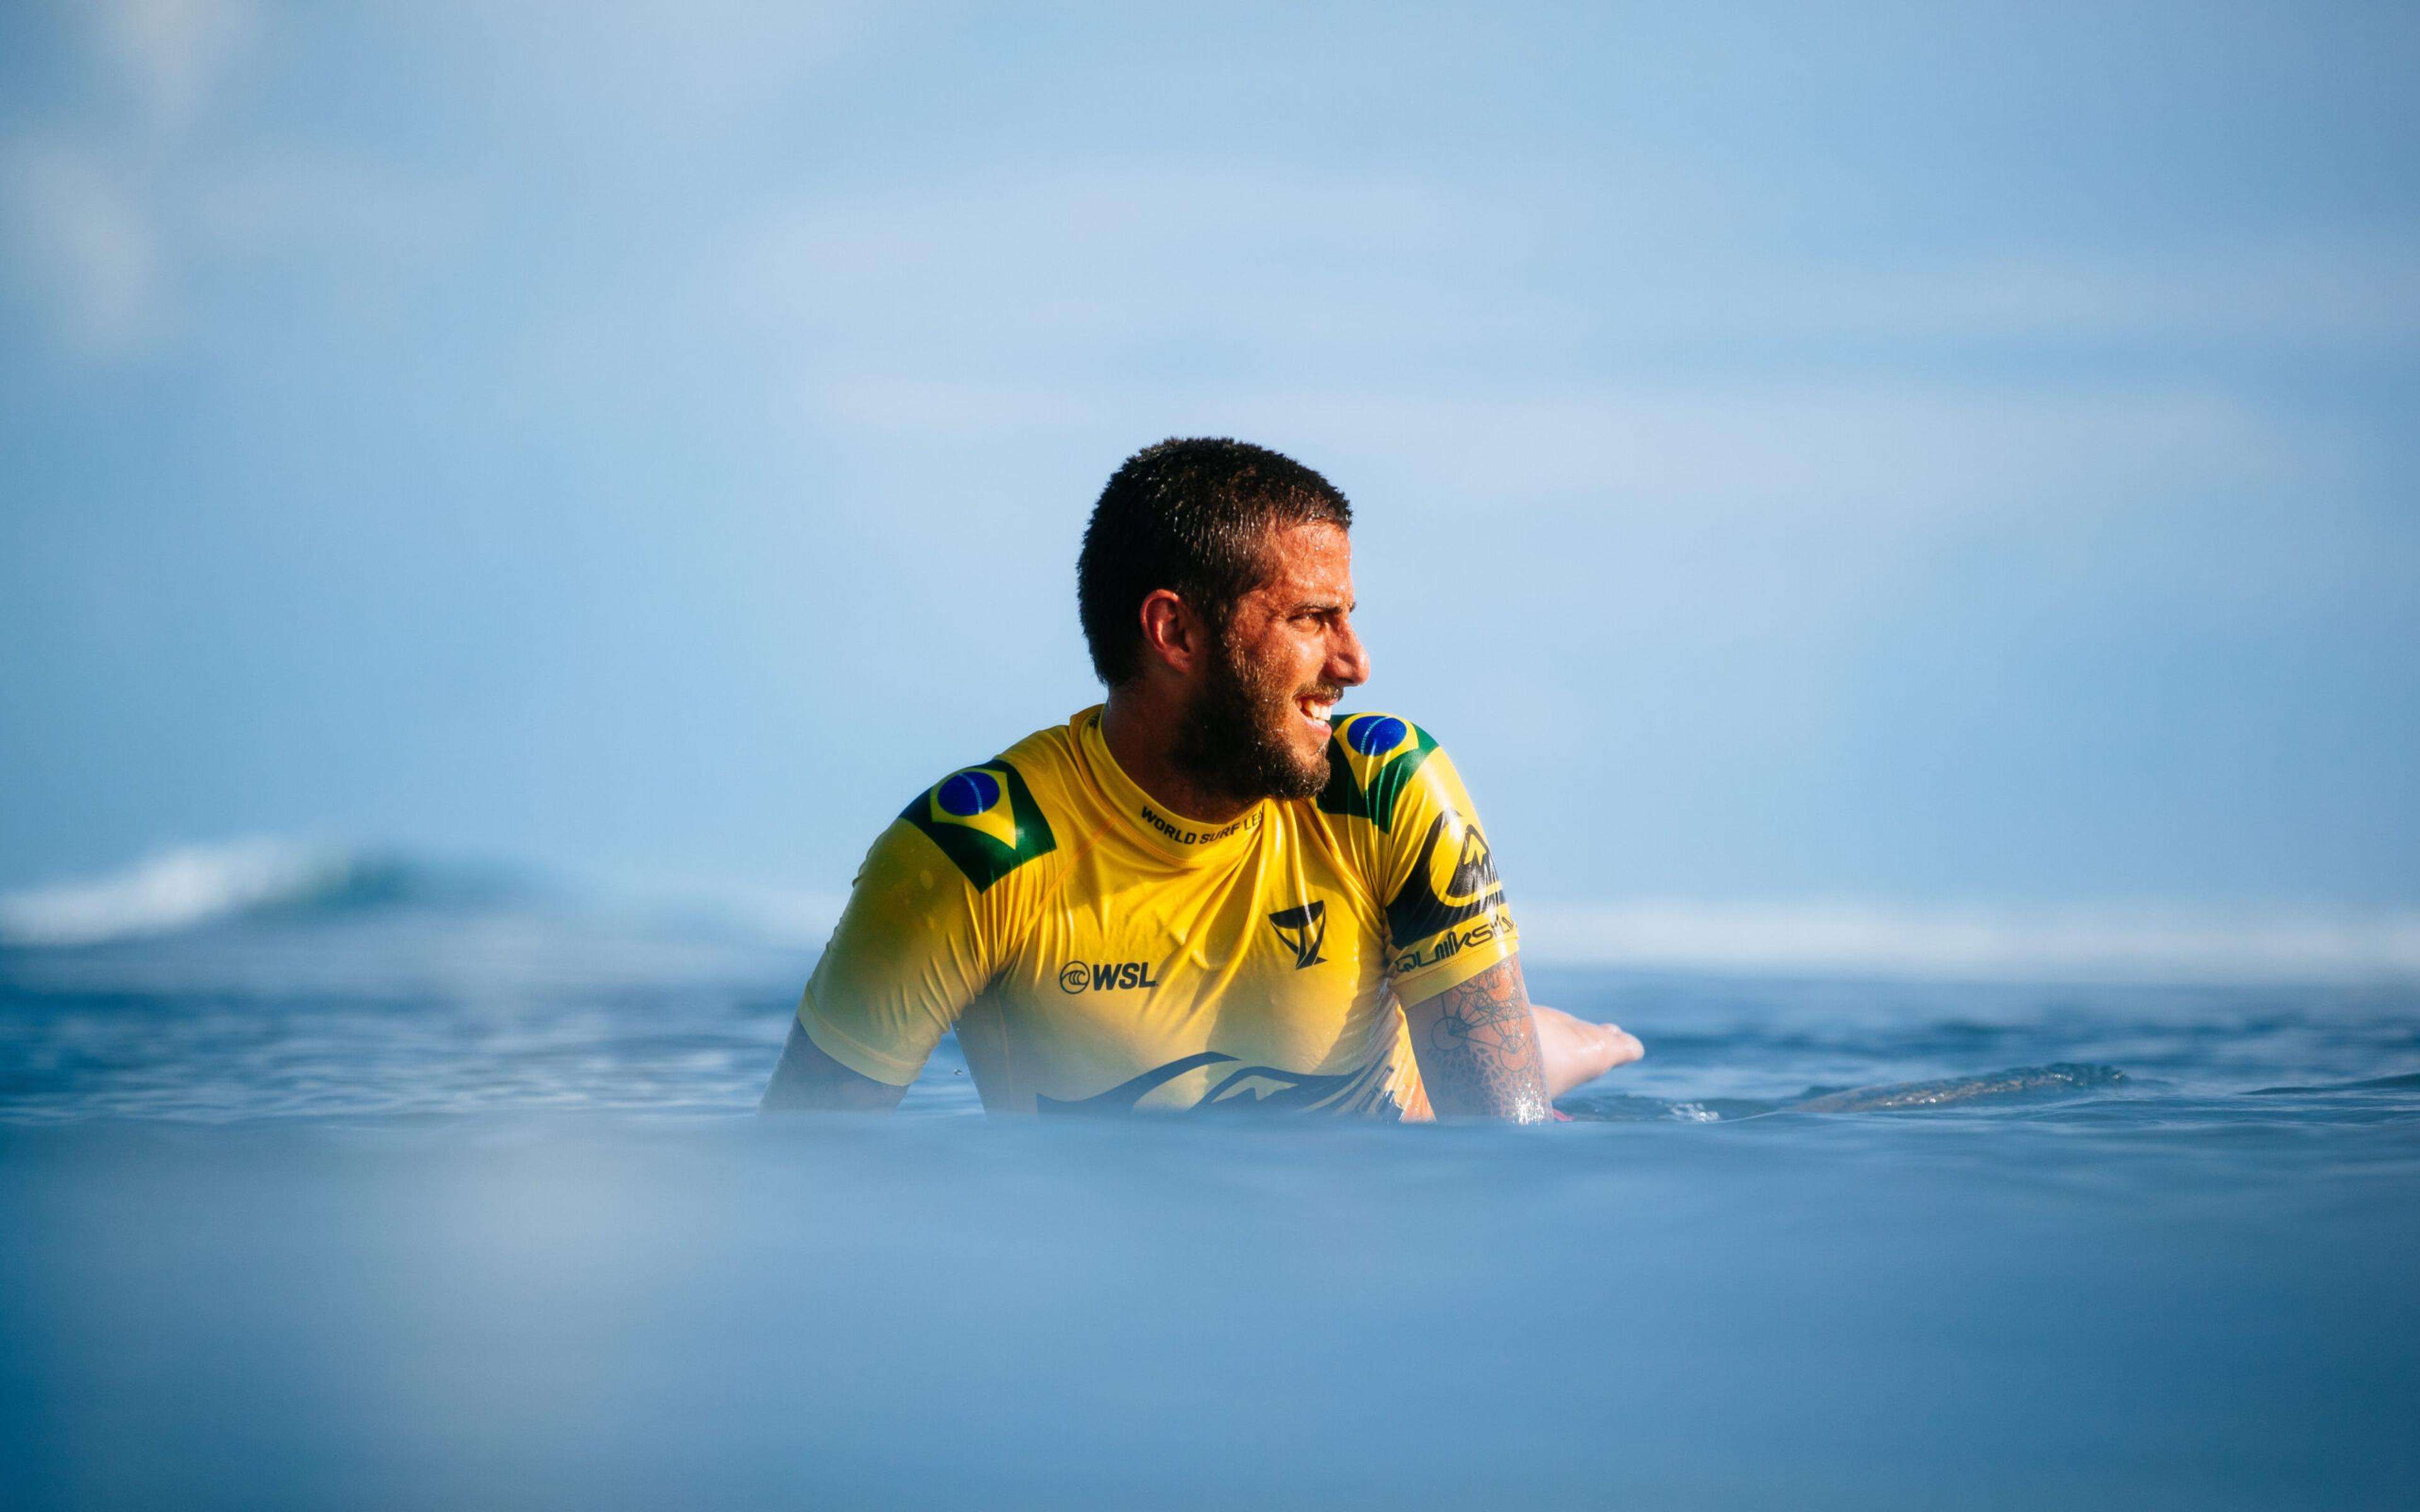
(1104, 976)
(1304, 930)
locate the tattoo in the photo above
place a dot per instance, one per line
(1478, 1048)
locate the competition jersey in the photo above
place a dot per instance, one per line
(1096, 952)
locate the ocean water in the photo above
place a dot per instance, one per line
(390, 1195)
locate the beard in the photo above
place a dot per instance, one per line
(1232, 739)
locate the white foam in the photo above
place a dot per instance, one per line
(171, 890)
(2130, 943)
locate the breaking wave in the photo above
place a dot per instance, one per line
(189, 887)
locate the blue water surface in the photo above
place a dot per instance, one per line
(444, 1205)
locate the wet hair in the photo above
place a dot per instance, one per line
(1188, 515)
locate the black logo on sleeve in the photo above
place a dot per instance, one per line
(1442, 894)
(1304, 930)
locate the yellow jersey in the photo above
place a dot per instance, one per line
(1096, 952)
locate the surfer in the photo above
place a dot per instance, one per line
(1212, 891)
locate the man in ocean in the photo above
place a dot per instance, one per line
(1211, 893)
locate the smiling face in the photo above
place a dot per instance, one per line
(1257, 725)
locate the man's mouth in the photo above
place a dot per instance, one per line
(1316, 710)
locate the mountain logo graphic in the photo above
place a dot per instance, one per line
(1304, 930)
(1474, 871)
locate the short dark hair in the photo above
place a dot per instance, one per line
(1187, 515)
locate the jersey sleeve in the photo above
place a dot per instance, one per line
(927, 923)
(1409, 818)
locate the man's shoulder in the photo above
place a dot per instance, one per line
(995, 816)
(1372, 758)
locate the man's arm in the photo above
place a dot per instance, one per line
(1477, 1045)
(809, 1081)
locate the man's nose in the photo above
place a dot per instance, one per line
(1348, 660)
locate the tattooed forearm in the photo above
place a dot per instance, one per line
(1478, 1048)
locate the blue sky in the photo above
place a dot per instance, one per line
(1907, 452)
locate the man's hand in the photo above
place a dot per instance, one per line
(1477, 1045)
(809, 1081)
(1576, 1050)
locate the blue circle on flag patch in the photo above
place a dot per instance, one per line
(969, 793)
(1378, 733)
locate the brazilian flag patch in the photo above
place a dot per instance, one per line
(985, 820)
(1371, 759)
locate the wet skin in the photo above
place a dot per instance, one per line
(1484, 1049)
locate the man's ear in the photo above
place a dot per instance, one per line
(1172, 634)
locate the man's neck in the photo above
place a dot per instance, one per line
(1139, 723)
